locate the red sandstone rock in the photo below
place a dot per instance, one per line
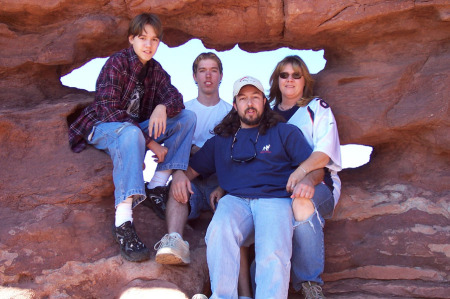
(386, 78)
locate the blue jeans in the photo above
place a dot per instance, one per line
(270, 220)
(125, 144)
(199, 201)
(308, 253)
(178, 139)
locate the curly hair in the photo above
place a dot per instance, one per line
(231, 122)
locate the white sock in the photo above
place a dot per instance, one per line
(124, 212)
(160, 178)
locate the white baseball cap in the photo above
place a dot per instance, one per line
(247, 80)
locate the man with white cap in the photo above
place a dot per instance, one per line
(253, 153)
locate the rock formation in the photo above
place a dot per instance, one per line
(386, 77)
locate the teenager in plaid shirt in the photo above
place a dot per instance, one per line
(136, 108)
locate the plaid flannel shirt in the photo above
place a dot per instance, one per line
(114, 87)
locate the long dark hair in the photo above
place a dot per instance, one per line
(231, 122)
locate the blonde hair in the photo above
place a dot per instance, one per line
(206, 55)
(299, 66)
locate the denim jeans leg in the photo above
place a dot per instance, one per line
(178, 140)
(273, 246)
(308, 249)
(323, 201)
(196, 199)
(199, 200)
(125, 144)
(230, 225)
(308, 255)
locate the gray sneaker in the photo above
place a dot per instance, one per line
(199, 296)
(311, 290)
(172, 250)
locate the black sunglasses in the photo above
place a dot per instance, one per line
(285, 75)
(243, 159)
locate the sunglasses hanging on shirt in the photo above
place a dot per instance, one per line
(243, 156)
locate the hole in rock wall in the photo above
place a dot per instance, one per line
(355, 155)
(178, 61)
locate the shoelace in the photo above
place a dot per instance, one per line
(167, 240)
(313, 291)
(133, 239)
(161, 191)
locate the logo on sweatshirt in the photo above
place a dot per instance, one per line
(266, 149)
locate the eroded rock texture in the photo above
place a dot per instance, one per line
(386, 78)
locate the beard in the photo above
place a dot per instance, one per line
(251, 122)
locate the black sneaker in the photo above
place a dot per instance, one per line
(131, 248)
(157, 200)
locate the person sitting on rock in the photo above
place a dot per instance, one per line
(135, 108)
(210, 109)
(253, 154)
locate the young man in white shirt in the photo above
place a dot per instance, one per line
(210, 109)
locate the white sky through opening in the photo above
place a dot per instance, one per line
(236, 63)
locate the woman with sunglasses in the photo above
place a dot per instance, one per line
(291, 94)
